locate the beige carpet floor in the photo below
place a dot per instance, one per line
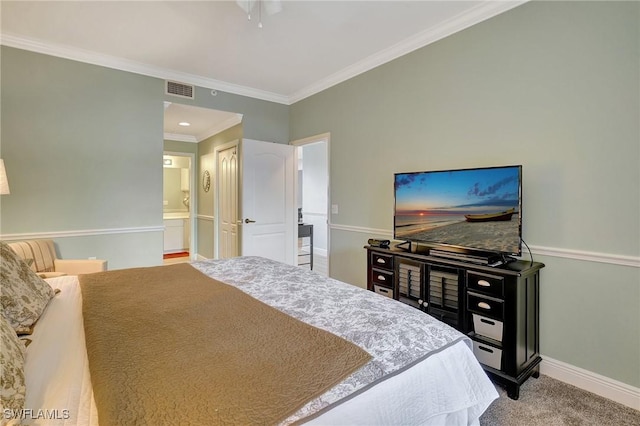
(549, 402)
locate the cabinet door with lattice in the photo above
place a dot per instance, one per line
(410, 273)
(444, 294)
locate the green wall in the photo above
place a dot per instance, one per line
(553, 86)
(262, 120)
(182, 147)
(83, 145)
(206, 206)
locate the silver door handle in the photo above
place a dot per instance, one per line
(249, 221)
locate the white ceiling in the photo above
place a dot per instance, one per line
(306, 47)
(203, 122)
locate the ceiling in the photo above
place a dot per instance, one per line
(304, 48)
(203, 122)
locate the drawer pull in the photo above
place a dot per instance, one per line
(484, 283)
(381, 278)
(486, 321)
(383, 290)
(381, 260)
(483, 348)
(484, 305)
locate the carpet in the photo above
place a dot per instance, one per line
(549, 402)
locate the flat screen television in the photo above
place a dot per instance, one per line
(476, 211)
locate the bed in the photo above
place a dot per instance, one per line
(419, 370)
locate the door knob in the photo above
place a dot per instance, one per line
(249, 221)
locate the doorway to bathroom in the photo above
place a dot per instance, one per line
(178, 207)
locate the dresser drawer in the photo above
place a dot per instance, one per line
(488, 355)
(382, 277)
(384, 291)
(487, 327)
(379, 260)
(485, 283)
(485, 306)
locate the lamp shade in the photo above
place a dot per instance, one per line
(4, 183)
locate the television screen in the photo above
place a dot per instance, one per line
(477, 209)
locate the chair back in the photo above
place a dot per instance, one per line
(42, 253)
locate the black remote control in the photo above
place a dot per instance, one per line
(379, 243)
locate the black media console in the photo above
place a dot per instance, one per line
(496, 306)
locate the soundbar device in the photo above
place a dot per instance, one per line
(490, 260)
(379, 243)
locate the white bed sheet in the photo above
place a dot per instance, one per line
(56, 364)
(448, 387)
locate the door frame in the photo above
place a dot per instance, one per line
(193, 200)
(323, 137)
(216, 193)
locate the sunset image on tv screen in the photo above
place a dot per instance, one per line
(474, 208)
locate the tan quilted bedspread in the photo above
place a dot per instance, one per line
(168, 345)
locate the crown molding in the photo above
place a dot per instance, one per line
(451, 26)
(220, 127)
(180, 138)
(121, 64)
(482, 12)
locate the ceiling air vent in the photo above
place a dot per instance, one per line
(180, 89)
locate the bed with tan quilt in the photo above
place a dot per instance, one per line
(236, 341)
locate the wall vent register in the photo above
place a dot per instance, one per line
(180, 89)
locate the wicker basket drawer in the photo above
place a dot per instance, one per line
(385, 291)
(488, 355)
(487, 327)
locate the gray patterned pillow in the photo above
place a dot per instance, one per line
(23, 295)
(12, 385)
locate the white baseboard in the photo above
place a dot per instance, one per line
(591, 382)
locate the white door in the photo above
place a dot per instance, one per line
(227, 199)
(268, 220)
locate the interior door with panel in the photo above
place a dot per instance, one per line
(227, 200)
(268, 221)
